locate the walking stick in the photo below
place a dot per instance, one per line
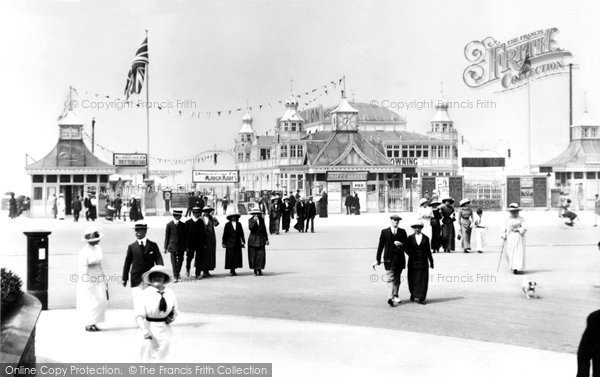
(501, 252)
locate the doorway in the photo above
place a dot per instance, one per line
(70, 192)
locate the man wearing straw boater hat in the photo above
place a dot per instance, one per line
(157, 309)
(175, 242)
(391, 248)
(419, 261)
(141, 256)
(195, 241)
(233, 241)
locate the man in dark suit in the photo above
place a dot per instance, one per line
(195, 242)
(300, 212)
(286, 213)
(292, 200)
(141, 256)
(348, 204)
(420, 259)
(588, 353)
(392, 245)
(118, 204)
(76, 207)
(310, 211)
(175, 242)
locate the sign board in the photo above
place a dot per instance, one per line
(359, 186)
(527, 191)
(130, 159)
(342, 176)
(404, 161)
(215, 176)
(483, 162)
(545, 169)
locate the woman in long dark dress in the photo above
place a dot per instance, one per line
(233, 242)
(286, 212)
(436, 226)
(448, 219)
(257, 241)
(419, 261)
(210, 222)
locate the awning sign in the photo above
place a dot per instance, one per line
(338, 176)
(215, 176)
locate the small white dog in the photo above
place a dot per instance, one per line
(528, 286)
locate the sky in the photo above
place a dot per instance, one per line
(226, 54)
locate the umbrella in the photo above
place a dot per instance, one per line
(9, 193)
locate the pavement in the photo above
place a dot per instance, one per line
(299, 348)
(320, 304)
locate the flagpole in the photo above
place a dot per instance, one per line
(529, 125)
(147, 112)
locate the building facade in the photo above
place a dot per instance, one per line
(352, 148)
(70, 168)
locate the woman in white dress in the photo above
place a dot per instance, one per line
(478, 231)
(60, 206)
(514, 236)
(92, 284)
(425, 213)
(156, 309)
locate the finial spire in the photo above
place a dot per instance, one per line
(585, 110)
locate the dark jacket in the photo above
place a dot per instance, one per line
(258, 232)
(310, 210)
(76, 205)
(356, 202)
(233, 239)
(301, 209)
(292, 201)
(589, 347)
(195, 234)
(138, 261)
(349, 200)
(419, 255)
(392, 254)
(175, 237)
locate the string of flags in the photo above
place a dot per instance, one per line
(304, 98)
(206, 156)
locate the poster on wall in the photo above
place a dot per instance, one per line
(334, 197)
(359, 186)
(442, 185)
(526, 192)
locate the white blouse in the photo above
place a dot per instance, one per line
(149, 301)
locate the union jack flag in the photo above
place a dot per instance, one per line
(137, 73)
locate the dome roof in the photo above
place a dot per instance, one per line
(291, 102)
(369, 113)
(247, 118)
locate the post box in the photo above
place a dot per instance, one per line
(37, 265)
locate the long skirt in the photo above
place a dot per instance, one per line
(256, 257)
(160, 349)
(91, 299)
(233, 258)
(436, 236)
(418, 282)
(478, 239)
(465, 234)
(515, 251)
(274, 224)
(299, 224)
(285, 221)
(448, 236)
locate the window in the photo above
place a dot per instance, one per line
(593, 132)
(293, 128)
(285, 126)
(265, 154)
(240, 156)
(51, 178)
(78, 178)
(393, 151)
(426, 152)
(38, 179)
(300, 151)
(37, 193)
(92, 178)
(584, 132)
(247, 156)
(578, 175)
(65, 179)
(590, 175)
(283, 151)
